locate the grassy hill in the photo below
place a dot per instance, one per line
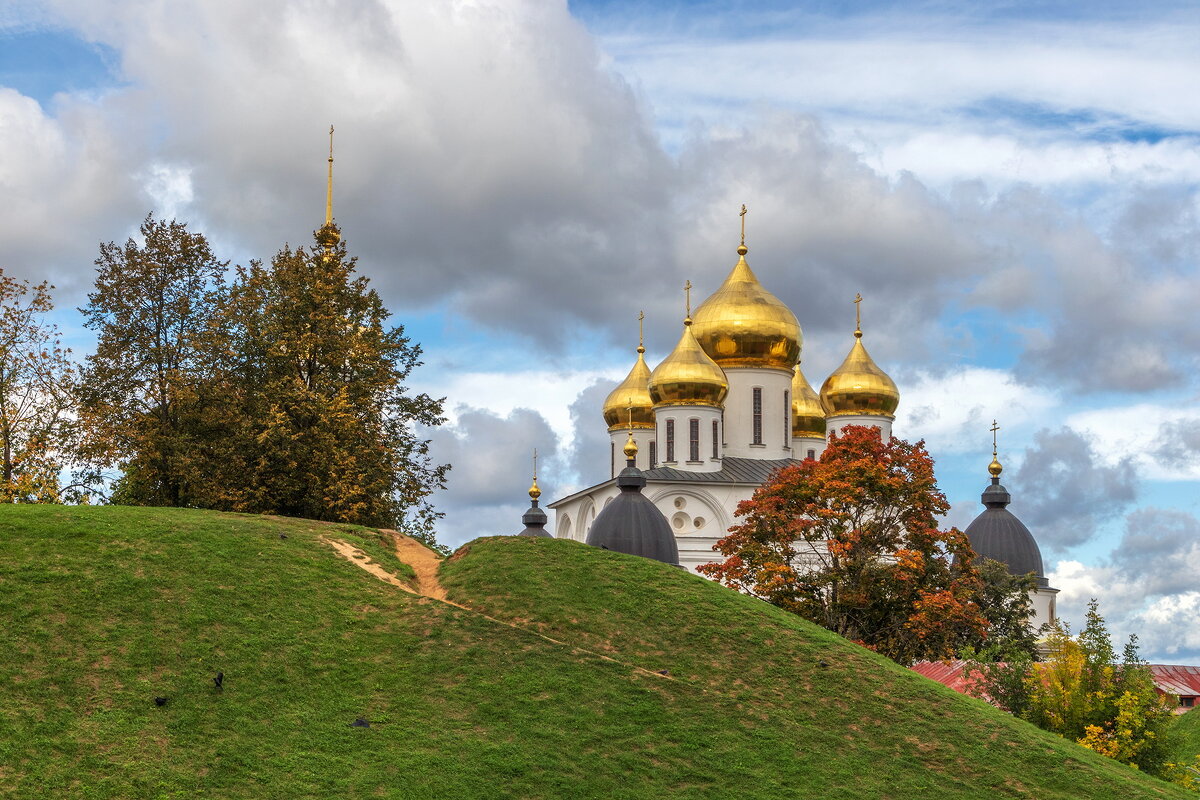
(552, 691)
(1184, 737)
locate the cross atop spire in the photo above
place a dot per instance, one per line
(687, 294)
(857, 315)
(742, 249)
(993, 429)
(641, 335)
(995, 468)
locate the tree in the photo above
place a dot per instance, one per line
(153, 305)
(850, 541)
(1082, 692)
(1005, 600)
(36, 382)
(312, 393)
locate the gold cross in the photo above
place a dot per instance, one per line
(535, 463)
(329, 185)
(687, 291)
(993, 429)
(641, 337)
(743, 216)
(857, 312)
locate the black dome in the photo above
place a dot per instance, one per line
(535, 522)
(632, 524)
(999, 535)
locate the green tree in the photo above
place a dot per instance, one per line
(36, 383)
(313, 395)
(153, 305)
(1005, 600)
(851, 542)
(1083, 692)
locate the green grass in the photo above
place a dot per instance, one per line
(104, 608)
(1183, 738)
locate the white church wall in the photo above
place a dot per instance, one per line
(775, 436)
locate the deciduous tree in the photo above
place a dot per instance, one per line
(851, 542)
(36, 382)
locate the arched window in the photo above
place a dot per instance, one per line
(653, 454)
(693, 439)
(757, 415)
(716, 441)
(670, 441)
(787, 420)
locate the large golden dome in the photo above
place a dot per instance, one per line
(633, 391)
(688, 377)
(808, 418)
(858, 386)
(744, 325)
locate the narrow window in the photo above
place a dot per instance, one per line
(670, 441)
(812, 453)
(757, 415)
(787, 420)
(653, 454)
(716, 438)
(612, 459)
(693, 440)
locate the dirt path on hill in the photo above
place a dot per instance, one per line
(423, 561)
(425, 564)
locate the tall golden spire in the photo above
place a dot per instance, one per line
(329, 184)
(534, 491)
(328, 236)
(994, 468)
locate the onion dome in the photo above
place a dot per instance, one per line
(998, 534)
(631, 523)
(808, 418)
(858, 386)
(633, 391)
(688, 377)
(534, 518)
(744, 325)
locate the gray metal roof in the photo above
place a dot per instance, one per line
(632, 524)
(999, 535)
(733, 470)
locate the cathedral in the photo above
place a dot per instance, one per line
(729, 406)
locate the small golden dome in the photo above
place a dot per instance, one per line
(633, 391)
(808, 418)
(743, 325)
(994, 468)
(688, 377)
(858, 386)
(630, 449)
(534, 491)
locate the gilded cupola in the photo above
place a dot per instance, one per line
(744, 325)
(858, 386)
(808, 418)
(688, 377)
(633, 391)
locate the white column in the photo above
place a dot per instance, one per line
(775, 435)
(884, 424)
(680, 421)
(803, 445)
(616, 448)
(1043, 606)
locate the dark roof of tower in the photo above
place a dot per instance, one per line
(632, 524)
(999, 535)
(535, 521)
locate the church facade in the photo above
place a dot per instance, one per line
(726, 408)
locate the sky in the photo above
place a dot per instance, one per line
(1015, 191)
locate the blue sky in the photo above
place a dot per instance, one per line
(1012, 187)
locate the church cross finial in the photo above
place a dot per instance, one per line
(743, 216)
(535, 463)
(329, 184)
(858, 315)
(641, 334)
(993, 429)
(687, 294)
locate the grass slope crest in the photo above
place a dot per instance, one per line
(569, 672)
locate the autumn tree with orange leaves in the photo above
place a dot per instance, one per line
(851, 542)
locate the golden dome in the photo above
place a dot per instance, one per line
(630, 449)
(688, 377)
(858, 386)
(633, 391)
(994, 468)
(744, 325)
(534, 491)
(808, 418)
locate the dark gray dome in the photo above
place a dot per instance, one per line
(632, 524)
(999, 535)
(535, 521)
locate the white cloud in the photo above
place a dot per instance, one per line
(1134, 431)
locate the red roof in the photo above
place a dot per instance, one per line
(1174, 679)
(948, 673)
